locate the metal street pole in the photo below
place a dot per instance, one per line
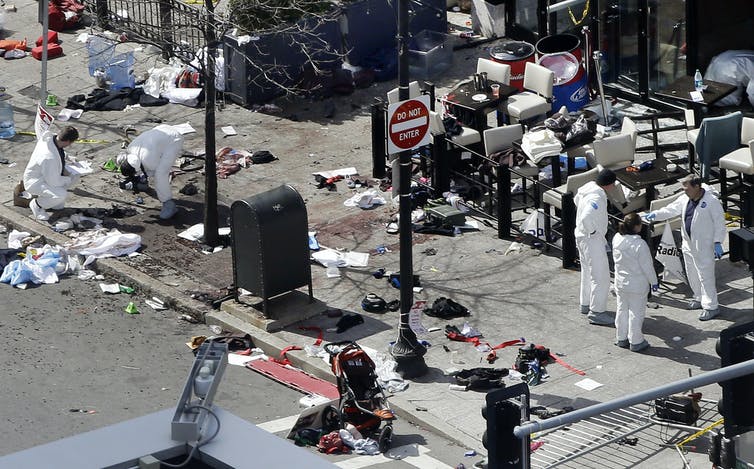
(211, 236)
(44, 18)
(407, 351)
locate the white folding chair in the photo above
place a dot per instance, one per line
(496, 71)
(537, 99)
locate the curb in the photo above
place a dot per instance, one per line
(270, 344)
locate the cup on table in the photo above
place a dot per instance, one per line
(495, 89)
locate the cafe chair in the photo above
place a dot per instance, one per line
(554, 197)
(740, 162)
(614, 152)
(655, 229)
(501, 138)
(628, 127)
(537, 99)
(715, 137)
(414, 90)
(496, 71)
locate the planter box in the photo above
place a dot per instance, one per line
(279, 56)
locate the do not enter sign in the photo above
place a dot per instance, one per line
(408, 124)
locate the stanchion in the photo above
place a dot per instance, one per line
(503, 201)
(568, 217)
(378, 140)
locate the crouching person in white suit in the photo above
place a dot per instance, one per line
(153, 154)
(45, 177)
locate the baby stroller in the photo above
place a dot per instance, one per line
(362, 402)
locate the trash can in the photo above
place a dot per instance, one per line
(270, 241)
(515, 54)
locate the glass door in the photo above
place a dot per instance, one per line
(667, 43)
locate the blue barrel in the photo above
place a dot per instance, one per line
(570, 88)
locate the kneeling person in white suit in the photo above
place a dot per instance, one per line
(153, 154)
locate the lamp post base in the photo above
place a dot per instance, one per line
(408, 353)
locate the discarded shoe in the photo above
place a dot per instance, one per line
(693, 304)
(640, 346)
(600, 319)
(38, 212)
(392, 228)
(708, 314)
(584, 309)
(394, 305)
(622, 343)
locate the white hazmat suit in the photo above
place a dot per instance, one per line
(591, 227)
(634, 275)
(155, 152)
(43, 176)
(707, 228)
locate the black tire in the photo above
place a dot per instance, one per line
(386, 438)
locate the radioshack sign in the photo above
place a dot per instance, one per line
(408, 124)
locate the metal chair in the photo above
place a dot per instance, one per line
(614, 152)
(537, 99)
(715, 137)
(741, 162)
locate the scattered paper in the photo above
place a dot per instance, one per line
(696, 96)
(588, 384)
(184, 128)
(109, 287)
(228, 130)
(68, 114)
(195, 232)
(156, 304)
(241, 360)
(337, 172)
(79, 168)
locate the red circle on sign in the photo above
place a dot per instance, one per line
(409, 124)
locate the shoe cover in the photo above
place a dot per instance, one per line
(169, 209)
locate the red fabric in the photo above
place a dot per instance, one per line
(53, 50)
(565, 365)
(316, 329)
(294, 378)
(57, 9)
(52, 38)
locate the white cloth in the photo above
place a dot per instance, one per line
(540, 144)
(634, 274)
(707, 228)
(591, 227)
(103, 243)
(629, 317)
(156, 151)
(43, 174)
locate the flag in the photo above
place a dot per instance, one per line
(42, 121)
(669, 255)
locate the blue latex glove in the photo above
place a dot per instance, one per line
(650, 216)
(655, 287)
(718, 250)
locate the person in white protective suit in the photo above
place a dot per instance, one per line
(591, 228)
(703, 233)
(634, 275)
(45, 176)
(152, 155)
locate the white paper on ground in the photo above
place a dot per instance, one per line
(184, 128)
(337, 172)
(109, 287)
(241, 360)
(67, 114)
(228, 130)
(588, 384)
(356, 259)
(195, 232)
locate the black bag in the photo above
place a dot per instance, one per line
(452, 126)
(445, 308)
(482, 378)
(262, 156)
(677, 408)
(529, 353)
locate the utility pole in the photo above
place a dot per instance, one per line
(407, 351)
(211, 236)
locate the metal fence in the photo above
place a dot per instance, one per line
(171, 25)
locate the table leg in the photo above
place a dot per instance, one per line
(557, 178)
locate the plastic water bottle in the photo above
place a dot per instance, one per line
(698, 82)
(202, 381)
(7, 126)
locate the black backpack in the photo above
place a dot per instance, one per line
(445, 308)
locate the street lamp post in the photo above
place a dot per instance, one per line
(407, 351)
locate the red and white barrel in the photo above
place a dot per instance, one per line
(515, 54)
(570, 87)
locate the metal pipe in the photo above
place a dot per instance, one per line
(563, 5)
(715, 376)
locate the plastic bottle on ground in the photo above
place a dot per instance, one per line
(7, 124)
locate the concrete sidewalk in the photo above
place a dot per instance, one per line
(523, 294)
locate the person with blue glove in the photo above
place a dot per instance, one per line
(634, 274)
(151, 155)
(703, 233)
(591, 228)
